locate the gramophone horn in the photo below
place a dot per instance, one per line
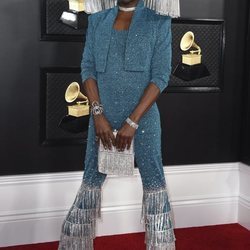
(187, 42)
(73, 92)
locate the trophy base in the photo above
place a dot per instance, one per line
(74, 124)
(74, 19)
(78, 110)
(189, 73)
(191, 59)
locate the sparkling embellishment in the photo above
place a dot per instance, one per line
(120, 91)
(115, 162)
(131, 123)
(79, 226)
(157, 218)
(96, 108)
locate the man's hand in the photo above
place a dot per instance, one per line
(124, 137)
(104, 131)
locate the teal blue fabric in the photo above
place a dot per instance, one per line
(148, 45)
(121, 83)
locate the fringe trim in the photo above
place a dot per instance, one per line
(79, 226)
(92, 6)
(88, 198)
(155, 202)
(161, 7)
(159, 238)
(121, 164)
(75, 243)
(107, 4)
(164, 7)
(112, 161)
(79, 230)
(158, 222)
(168, 246)
(156, 214)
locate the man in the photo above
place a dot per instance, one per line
(126, 64)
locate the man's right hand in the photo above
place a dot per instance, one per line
(104, 131)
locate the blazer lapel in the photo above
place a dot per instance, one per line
(137, 40)
(102, 39)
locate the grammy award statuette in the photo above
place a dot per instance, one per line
(75, 17)
(72, 94)
(78, 110)
(191, 67)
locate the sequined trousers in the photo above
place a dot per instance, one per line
(119, 92)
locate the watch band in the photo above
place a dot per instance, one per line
(96, 108)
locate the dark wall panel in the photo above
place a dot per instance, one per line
(245, 135)
(198, 127)
(21, 59)
(206, 9)
(231, 102)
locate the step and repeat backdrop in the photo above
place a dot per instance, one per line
(61, 24)
(41, 48)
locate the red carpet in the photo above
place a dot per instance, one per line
(229, 237)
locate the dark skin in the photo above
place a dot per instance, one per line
(103, 129)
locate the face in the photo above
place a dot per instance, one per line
(127, 2)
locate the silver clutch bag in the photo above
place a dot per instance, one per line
(116, 162)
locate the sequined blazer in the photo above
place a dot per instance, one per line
(148, 45)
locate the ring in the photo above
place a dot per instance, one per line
(96, 138)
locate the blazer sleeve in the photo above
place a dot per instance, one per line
(88, 69)
(162, 54)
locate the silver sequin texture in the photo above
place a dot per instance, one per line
(111, 161)
(120, 91)
(119, 94)
(79, 227)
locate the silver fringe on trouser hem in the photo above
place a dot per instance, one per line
(156, 214)
(78, 229)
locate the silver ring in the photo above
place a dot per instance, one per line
(96, 138)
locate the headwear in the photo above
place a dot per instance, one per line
(161, 7)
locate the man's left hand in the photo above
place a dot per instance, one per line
(124, 137)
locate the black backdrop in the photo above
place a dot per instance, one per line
(197, 127)
(245, 135)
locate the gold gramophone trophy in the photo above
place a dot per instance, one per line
(191, 67)
(194, 56)
(75, 17)
(73, 94)
(77, 118)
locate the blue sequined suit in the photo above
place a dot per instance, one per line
(124, 62)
